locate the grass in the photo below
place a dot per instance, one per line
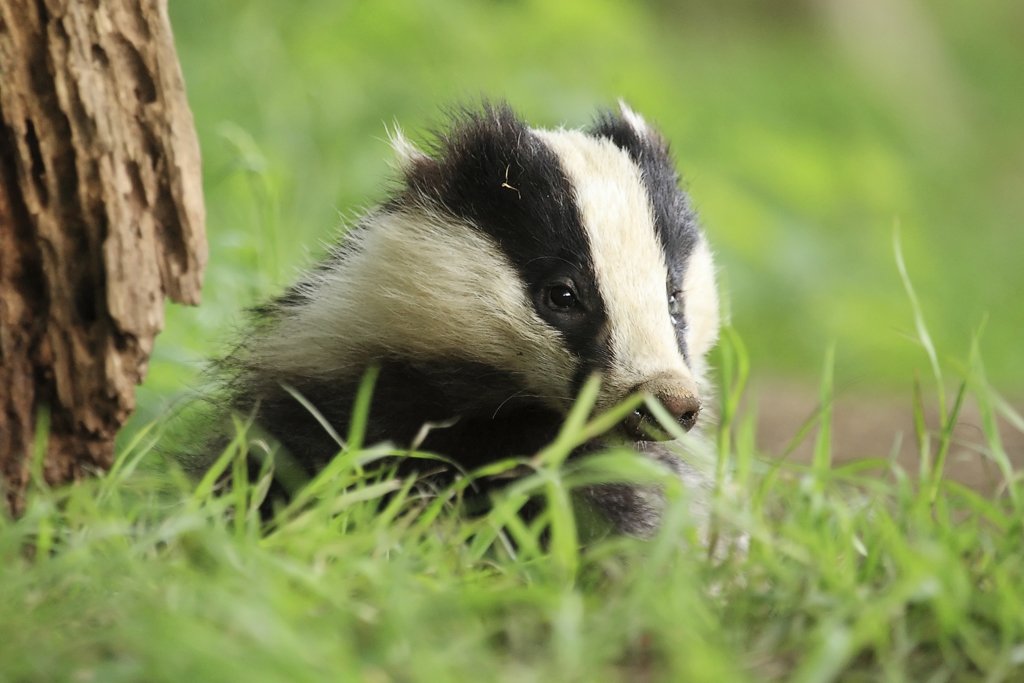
(852, 572)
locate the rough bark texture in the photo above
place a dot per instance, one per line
(101, 217)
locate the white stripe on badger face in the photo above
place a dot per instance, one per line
(630, 266)
(701, 304)
(423, 286)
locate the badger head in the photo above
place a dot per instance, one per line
(511, 265)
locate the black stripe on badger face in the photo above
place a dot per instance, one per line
(494, 172)
(674, 218)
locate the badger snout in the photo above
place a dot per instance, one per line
(678, 395)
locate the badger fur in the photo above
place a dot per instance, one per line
(509, 265)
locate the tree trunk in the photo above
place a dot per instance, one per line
(101, 216)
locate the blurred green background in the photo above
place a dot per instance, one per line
(806, 130)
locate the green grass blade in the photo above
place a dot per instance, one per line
(945, 441)
(822, 458)
(919, 324)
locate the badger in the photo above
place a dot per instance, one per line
(507, 266)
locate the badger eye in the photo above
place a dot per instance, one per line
(561, 297)
(675, 306)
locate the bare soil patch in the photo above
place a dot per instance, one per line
(877, 425)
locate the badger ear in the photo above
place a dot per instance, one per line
(407, 155)
(635, 121)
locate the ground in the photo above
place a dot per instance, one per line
(875, 425)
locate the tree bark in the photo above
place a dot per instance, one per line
(101, 217)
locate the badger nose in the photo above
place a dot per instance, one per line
(678, 397)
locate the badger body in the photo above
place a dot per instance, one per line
(509, 266)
